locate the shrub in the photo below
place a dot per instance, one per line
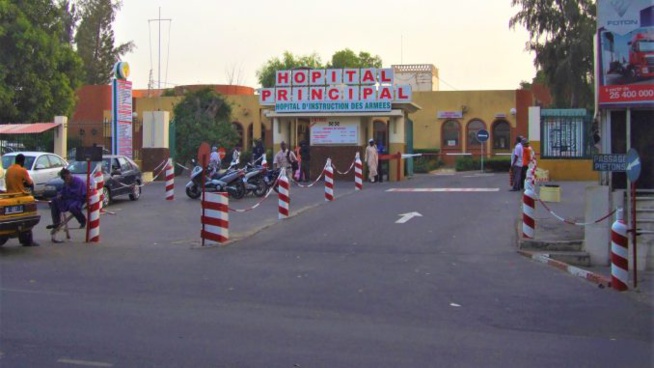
(498, 164)
(426, 163)
(467, 163)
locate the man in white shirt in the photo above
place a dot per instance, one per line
(516, 164)
(214, 161)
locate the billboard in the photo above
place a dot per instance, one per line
(626, 53)
(121, 111)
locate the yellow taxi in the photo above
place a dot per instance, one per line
(18, 215)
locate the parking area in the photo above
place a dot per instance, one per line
(177, 222)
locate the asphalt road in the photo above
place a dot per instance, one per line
(341, 284)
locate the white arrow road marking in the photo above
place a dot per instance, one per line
(86, 363)
(407, 216)
(417, 190)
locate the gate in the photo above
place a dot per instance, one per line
(408, 138)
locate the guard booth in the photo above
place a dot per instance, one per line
(336, 111)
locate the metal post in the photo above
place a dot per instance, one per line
(482, 157)
(88, 205)
(634, 235)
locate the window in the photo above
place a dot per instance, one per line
(501, 135)
(41, 163)
(565, 133)
(473, 127)
(55, 161)
(251, 133)
(451, 133)
(124, 165)
(239, 130)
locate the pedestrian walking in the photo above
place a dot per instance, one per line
(305, 160)
(285, 159)
(257, 152)
(516, 164)
(372, 160)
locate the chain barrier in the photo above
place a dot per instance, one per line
(560, 218)
(344, 173)
(270, 190)
(531, 183)
(322, 173)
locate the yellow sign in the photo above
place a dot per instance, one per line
(121, 70)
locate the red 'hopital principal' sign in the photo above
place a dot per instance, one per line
(334, 90)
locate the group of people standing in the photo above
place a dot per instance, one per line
(520, 157)
(299, 162)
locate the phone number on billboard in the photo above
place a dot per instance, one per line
(627, 94)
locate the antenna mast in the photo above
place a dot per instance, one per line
(159, 20)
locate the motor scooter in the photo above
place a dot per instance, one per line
(230, 181)
(254, 180)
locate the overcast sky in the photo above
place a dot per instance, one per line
(469, 41)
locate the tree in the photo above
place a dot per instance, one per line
(69, 18)
(95, 40)
(202, 116)
(266, 74)
(561, 35)
(538, 79)
(39, 72)
(348, 59)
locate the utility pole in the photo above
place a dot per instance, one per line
(159, 20)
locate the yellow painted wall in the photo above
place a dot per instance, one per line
(567, 169)
(245, 110)
(482, 105)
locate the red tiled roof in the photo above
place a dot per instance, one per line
(26, 128)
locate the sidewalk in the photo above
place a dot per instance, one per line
(549, 230)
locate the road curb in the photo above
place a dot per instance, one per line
(600, 280)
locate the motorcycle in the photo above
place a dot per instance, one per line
(230, 181)
(270, 178)
(254, 180)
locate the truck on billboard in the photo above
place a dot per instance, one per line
(640, 64)
(626, 53)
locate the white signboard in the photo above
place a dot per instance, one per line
(327, 131)
(450, 114)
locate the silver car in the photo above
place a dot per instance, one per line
(42, 166)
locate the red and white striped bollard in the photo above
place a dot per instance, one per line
(215, 218)
(98, 176)
(619, 253)
(528, 212)
(284, 195)
(329, 181)
(358, 173)
(170, 181)
(93, 223)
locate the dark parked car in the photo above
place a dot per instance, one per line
(122, 176)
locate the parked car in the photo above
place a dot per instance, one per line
(42, 167)
(122, 176)
(18, 215)
(71, 153)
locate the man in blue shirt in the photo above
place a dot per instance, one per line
(380, 152)
(71, 198)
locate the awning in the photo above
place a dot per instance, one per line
(26, 128)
